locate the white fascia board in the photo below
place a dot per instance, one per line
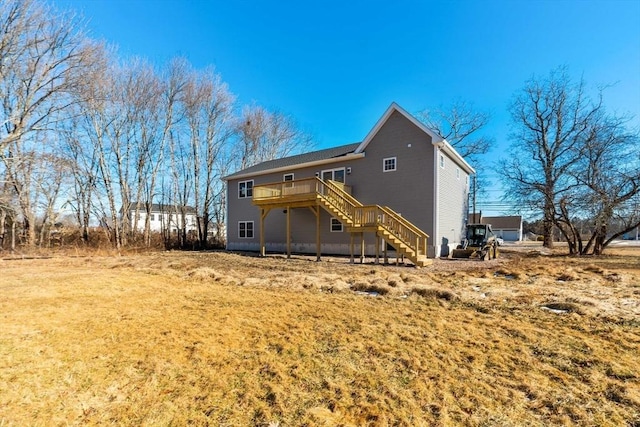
(448, 148)
(344, 158)
(395, 107)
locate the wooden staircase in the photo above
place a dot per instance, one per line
(407, 239)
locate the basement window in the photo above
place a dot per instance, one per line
(245, 229)
(336, 226)
(389, 164)
(245, 189)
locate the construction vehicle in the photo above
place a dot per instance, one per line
(480, 243)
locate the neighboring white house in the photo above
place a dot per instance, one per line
(507, 227)
(165, 217)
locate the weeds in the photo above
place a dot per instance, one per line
(99, 340)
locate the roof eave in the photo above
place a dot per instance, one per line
(448, 148)
(350, 156)
(395, 107)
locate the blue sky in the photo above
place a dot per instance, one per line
(335, 66)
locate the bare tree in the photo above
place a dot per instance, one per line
(609, 176)
(461, 125)
(551, 118)
(207, 105)
(265, 135)
(44, 57)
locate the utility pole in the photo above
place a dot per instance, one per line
(473, 192)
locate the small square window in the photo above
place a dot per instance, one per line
(336, 226)
(389, 164)
(287, 177)
(245, 189)
(245, 229)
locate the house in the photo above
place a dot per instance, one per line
(507, 227)
(403, 186)
(164, 217)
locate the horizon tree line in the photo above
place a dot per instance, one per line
(106, 138)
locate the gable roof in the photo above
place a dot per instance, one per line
(349, 151)
(436, 139)
(395, 107)
(306, 159)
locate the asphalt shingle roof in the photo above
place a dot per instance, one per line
(314, 156)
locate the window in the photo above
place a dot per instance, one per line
(245, 229)
(458, 173)
(245, 189)
(336, 226)
(441, 161)
(334, 175)
(287, 177)
(389, 164)
(153, 217)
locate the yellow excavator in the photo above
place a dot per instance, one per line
(480, 243)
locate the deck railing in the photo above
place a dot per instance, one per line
(356, 213)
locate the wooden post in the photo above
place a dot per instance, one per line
(362, 248)
(288, 232)
(263, 214)
(318, 243)
(386, 256)
(351, 245)
(377, 249)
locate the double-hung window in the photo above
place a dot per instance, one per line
(245, 229)
(336, 226)
(245, 189)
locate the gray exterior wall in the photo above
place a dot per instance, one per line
(453, 195)
(409, 190)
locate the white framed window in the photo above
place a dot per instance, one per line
(441, 161)
(458, 173)
(334, 175)
(389, 164)
(245, 189)
(336, 226)
(287, 177)
(245, 229)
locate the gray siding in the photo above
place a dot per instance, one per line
(409, 190)
(453, 191)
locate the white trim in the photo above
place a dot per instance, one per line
(395, 107)
(436, 202)
(458, 173)
(246, 229)
(395, 164)
(246, 196)
(338, 159)
(455, 156)
(435, 138)
(331, 225)
(344, 169)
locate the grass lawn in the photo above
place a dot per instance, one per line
(231, 340)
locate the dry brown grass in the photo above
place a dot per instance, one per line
(224, 339)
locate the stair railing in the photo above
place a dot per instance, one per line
(356, 213)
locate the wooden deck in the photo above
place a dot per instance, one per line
(314, 193)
